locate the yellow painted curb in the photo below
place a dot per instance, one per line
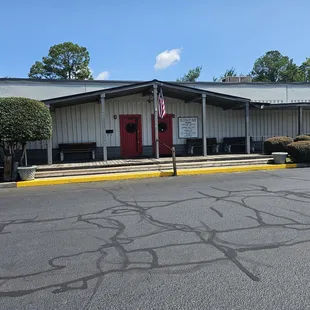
(149, 174)
(94, 178)
(229, 169)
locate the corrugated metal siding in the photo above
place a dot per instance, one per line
(37, 145)
(82, 123)
(306, 121)
(263, 92)
(128, 105)
(181, 109)
(264, 123)
(140, 105)
(222, 123)
(41, 90)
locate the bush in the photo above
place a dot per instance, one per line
(23, 120)
(300, 151)
(277, 144)
(302, 138)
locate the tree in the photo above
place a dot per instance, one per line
(191, 76)
(305, 69)
(64, 61)
(274, 67)
(228, 72)
(22, 120)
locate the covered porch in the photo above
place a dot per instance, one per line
(112, 116)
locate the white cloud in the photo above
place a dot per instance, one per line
(103, 75)
(167, 58)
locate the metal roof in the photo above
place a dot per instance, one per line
(140, 81)
(283, 106)
(170, 90)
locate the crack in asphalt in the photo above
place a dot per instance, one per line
(111, 220)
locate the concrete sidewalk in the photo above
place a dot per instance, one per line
(149, 161)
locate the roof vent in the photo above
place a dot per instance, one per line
(237, 79)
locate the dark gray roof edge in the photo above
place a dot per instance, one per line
(141, 81)
(205, 91)
(92, 93)
(283, 105)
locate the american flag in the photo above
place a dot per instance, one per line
(161, 104)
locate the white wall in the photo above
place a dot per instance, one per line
(82, 123)
(139, 105)
(268, 92)
(264, 93)
(41, 90)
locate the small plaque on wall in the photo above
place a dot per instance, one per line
(109, 131)
(188, 127)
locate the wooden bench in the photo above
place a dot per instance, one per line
(237, 145)
(192, 144)
(77, 148)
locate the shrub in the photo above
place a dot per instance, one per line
(277, 144)
(302, 138)
(22, 120)
(300, 151)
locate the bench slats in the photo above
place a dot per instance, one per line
(78, 146)
(197, 143)
(237, 144)
(235, 140)
(89, 147)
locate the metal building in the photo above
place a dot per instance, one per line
(121, 117)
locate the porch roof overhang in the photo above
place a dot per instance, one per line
(284, 106)
(170, 90)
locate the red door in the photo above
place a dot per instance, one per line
(165, 134)
(131, 135)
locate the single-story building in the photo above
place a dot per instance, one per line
(119, 119)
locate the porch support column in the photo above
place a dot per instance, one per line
(204, 125)
(156, 121)
(49, 151)
(103, 127)
(247, 129)
(49, 145)
(300, 121)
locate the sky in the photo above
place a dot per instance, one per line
(163, 39)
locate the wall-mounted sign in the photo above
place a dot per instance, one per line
(188, 127)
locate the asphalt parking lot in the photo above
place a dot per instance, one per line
(231, 241)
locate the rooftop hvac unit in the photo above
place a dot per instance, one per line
(237, 79)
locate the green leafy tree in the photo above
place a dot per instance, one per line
(22, 120)
(228, 72)
(305, 69)
(274, 67)
(191, 76)
(64, 61)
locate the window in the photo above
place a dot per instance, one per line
(131, 127)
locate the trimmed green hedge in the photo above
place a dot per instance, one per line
(299, 151)
(277, 144)
(302, 138)
(23, 120)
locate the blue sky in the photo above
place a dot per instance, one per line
(124, 37)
